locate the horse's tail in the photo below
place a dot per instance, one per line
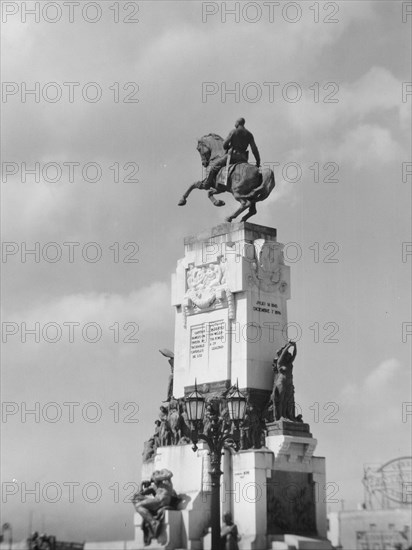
(267, 185)
(253, 185)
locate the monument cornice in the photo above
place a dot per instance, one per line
(250, 230)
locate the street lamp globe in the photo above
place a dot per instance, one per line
(195, 406)
(236, 404)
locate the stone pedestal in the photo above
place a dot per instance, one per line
(278, 490)
(230, 292)
(306, 477)
(250, 470)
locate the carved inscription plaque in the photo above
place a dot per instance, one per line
(208, 347)
(207, 341)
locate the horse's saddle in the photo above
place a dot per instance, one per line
(221, 178)
(239, 171)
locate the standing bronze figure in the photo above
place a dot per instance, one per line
(171, 357)
(283, 395)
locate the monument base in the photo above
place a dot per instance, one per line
(276, 494)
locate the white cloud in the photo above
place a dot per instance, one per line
(349, 393)
(375, 92)
(284, 192)
(151, 304)
(367, 145)
(377, 400)
(380, 379)
(383, 375)
(55, 330)
(34, 202)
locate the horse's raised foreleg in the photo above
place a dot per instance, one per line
(216, 202)
(197, 185)
(245, 204)
(252, 212)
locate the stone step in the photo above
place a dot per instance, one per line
(314, 545)
(280, 545)
(307, 543)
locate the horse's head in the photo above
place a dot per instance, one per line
(204, 152)
(210, 147)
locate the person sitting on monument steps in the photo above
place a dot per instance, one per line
(283, 395)
(235, 145)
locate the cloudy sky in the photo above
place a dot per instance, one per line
(324, 88)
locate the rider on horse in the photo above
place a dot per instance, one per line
(238, 141)
(247, 183)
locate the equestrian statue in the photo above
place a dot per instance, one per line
(228, 170)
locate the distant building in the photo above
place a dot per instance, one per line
(384, 520)
(371, 529)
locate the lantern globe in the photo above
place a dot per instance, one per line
(195, 405)
(236, 403)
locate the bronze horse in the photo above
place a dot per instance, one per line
(245, 182)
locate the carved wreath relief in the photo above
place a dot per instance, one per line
(266, 269)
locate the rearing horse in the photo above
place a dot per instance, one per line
(245, 182)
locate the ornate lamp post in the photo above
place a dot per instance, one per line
(216, 437)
